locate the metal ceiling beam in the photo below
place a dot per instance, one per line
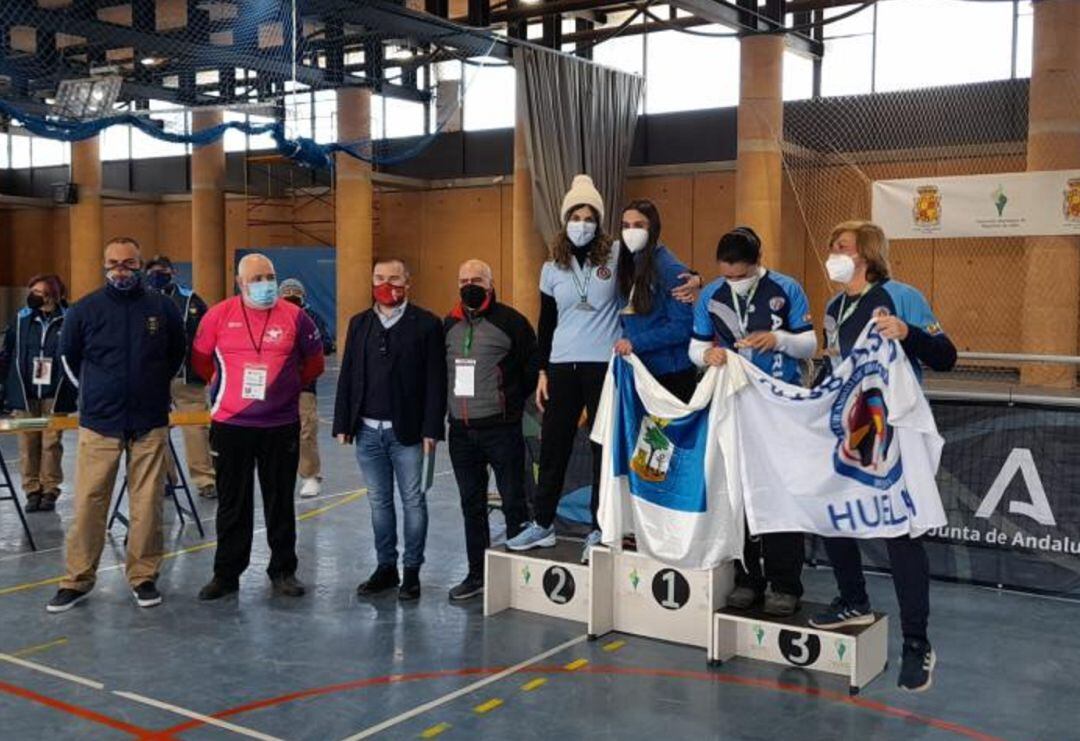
(524, 12)
(717, 11)
(394, 19)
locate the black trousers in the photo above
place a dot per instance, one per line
(472, 450)
(237, 452)
(681, 384)
(571, 387)
(910, 572)
(783, 556)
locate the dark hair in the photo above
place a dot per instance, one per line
(599, 248)
(639, 275)
(53, 281)
(389, 259)
(160, 261)
(741, 244)
(125, 240)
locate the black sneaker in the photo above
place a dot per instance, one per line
(383, 578)
(841, 615)
(743, 598)
(48, 501)
(33, 502)
(288, 586)
(410, 586)
(471, 587)
(917, 667)
(217, 588)
(147, 595)
(65, 599)
(780, 604)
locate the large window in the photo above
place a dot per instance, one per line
(798, 76)
(848, 65)
(926, 43)
(170, 119)
(1025, 29)
(49, 152)
(489, 96)
(685, 72)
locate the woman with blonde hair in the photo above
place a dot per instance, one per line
(859, 262)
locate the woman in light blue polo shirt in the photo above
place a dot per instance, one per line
(579, 324)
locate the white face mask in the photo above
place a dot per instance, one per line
(635, 239)
(743, 286)
(841, 268)
(580, 233)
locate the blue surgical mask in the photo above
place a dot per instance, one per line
(263, 294)
(126, 282)
(580, 233)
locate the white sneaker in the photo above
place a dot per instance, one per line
(310, 487)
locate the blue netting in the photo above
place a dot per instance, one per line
(232, 54)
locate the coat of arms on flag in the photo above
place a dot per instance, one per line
(653, 451)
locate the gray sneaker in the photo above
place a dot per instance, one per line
(743, 598)
(780, 604)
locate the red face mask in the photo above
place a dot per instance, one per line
(388, 295)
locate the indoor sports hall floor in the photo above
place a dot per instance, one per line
(332, 666)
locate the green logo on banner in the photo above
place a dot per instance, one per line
(526, 574)
(759, 634)
(841, 649)
(1000, 199)
(634, 578)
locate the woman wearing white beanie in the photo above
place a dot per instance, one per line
(579, 324)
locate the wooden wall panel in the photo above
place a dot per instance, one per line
(713, 215)
(458, 225)
(674, 197)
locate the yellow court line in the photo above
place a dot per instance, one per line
(350, 497)
(533, 684)
(30, 650)
(576, 664)
(487, 707)
(613, 646)
(435, 730)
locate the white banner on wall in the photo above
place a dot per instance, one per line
(1016, 204)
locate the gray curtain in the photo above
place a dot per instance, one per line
(579, 118)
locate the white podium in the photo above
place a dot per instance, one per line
(548, 581)
(650, 599)
(859, 653)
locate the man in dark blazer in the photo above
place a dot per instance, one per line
(391, 401)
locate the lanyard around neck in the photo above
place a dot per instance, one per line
(744, 319)
(846, 311)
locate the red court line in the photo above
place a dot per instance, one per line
(765, 684)
(80, 712)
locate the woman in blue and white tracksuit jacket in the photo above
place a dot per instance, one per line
(656, 326)
(859, 262)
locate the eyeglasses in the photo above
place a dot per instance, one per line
(132, 264)
(384, 344)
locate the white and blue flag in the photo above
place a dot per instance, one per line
(855, 456)
(663, 475)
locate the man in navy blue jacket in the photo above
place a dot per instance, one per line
(121, 345)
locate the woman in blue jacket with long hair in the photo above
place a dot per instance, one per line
(656, 326)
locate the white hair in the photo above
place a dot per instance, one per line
(248, 259)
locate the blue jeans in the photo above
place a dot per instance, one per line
(382, 459)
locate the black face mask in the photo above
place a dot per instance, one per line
(473, 296)
(34, 301)
(294, 300)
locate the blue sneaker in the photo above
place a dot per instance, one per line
(533, 536)
(842, 615)
(917, 667)
(592, 539)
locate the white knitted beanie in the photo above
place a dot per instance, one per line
(582, 193)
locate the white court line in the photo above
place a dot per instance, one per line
(33, 665)
(421, 709)
(94, 684)
(208, 719)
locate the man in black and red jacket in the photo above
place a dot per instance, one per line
(492, 366)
